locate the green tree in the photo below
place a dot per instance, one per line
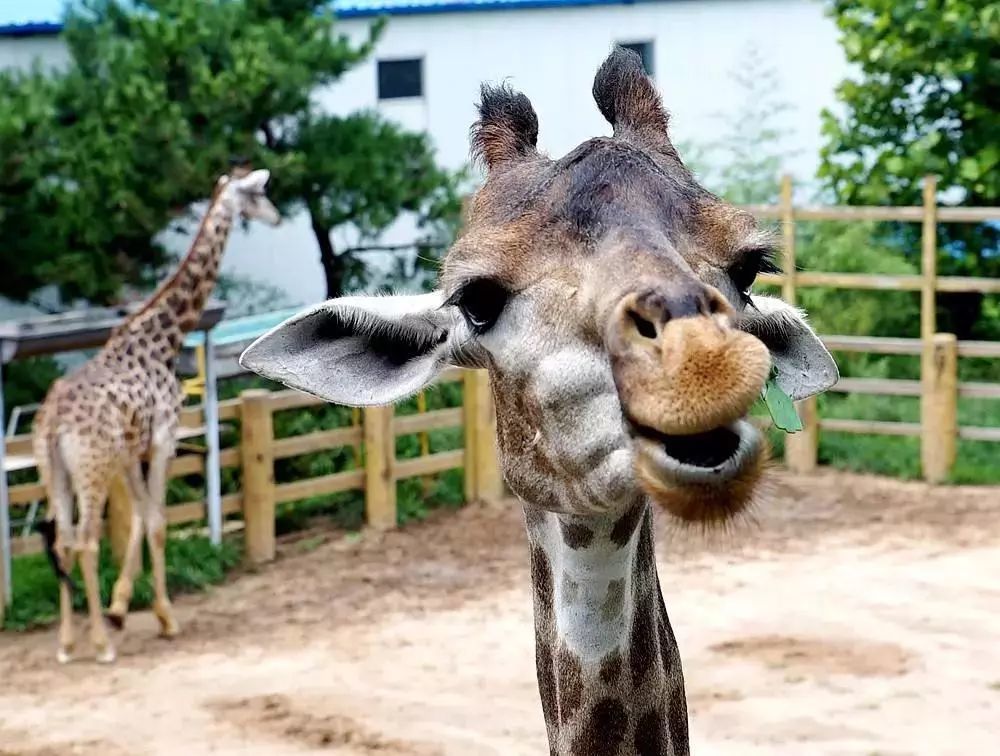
(926, 100)
(26, 192)
(156, 98)
(364, 171)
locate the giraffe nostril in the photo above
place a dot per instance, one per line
(643, 326)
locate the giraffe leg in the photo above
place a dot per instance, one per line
(156, 533)
(66, 633)
(88, 541)
(88, 551)
(122, 592)
(59, 492)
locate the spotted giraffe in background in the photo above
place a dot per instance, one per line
(122, 408)
(607, 294)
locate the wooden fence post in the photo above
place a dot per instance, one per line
(483, 479)
(939, 408)
(4, 598)
(119, 516)
(928, 266)
(380, 461)
(788, 240)
(257, 452)
(938, 358)
(469, 421)
(802, 448)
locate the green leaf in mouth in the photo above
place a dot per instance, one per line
(781, 407)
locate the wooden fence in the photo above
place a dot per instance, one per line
(938, 387)
(258, 450)
(938, 390)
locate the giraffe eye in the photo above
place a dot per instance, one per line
(481, 301)
(745, 271)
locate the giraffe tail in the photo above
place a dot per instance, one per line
(52, 469)
(47, 529)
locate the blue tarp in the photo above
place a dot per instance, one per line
(235, 330)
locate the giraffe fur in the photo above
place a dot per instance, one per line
(119, 413)
(608, 295)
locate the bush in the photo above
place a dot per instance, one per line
(192, 565)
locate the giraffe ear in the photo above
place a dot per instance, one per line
(507, 129)
(804, 366)
(627, 98)
(359, 351)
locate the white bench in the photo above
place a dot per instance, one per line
(16, 462)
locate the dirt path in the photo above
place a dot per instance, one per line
(864, 621)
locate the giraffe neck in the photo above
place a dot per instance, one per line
(609, 670)
(157, 329)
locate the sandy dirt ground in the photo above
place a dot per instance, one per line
(858, 616)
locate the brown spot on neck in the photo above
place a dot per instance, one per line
(569, 691)
(574, 535)
(545, 669)
(541, 578)
(611, 667)
(650, 736)
(625, 526)
(614, 602)
(604, 730)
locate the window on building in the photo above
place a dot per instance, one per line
(400, 78)
(645, 50)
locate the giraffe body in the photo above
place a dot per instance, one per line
(116, 417)
(608, 296)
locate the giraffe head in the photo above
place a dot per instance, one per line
(245, 191)
(607, 293)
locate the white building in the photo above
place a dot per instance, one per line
(427, 68)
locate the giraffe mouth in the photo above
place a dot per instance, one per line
(709, 449)
(716, 455)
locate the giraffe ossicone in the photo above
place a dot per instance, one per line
(607, 294)
(121, 409)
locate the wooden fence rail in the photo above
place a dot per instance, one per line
(258, 450)
(376, 429)
(938, 387)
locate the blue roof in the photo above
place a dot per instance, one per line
(24, 18)
(362, 8)
(28, 17)
(235, 330)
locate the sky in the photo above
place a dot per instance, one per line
(27, 11)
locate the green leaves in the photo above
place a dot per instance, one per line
(926, 100)
(781, 408)
(98, 158)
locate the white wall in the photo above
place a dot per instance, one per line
(552, 55)
(21, 52)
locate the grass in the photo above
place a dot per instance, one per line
(192, 565)
(978, 462)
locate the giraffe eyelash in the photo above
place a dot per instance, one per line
(769, 261)
(752, 263)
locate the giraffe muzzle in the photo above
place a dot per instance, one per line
(686, 379)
